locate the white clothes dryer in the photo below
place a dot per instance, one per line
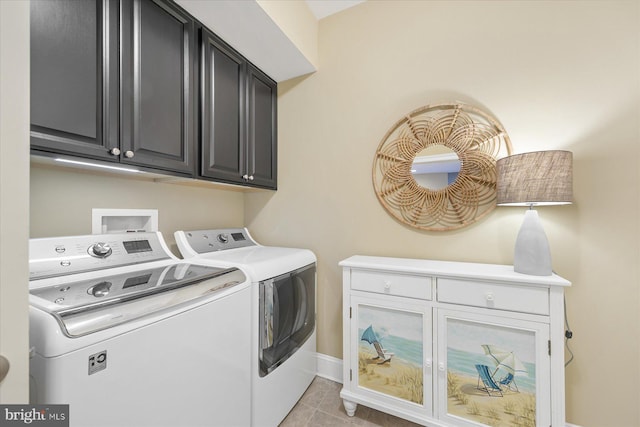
(283, 313)
(127, 334)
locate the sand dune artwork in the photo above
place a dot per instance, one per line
(390, 352)
(491, 374)
(491, 369)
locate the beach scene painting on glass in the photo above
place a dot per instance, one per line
(491, 373)
(390, 352)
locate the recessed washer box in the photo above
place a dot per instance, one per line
(123, 220)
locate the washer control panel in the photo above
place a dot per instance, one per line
(203, 241)
(57, 256)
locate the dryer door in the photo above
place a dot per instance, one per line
(287, 315)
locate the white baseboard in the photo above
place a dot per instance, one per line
(329, 367)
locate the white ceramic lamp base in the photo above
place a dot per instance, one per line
(532, 255)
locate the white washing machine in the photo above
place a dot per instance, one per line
(129, 335)
(283, 309)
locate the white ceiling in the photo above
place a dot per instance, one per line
(323, 8)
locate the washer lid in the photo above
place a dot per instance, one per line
(87, 306)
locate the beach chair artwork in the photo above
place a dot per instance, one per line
(390, 351)
(486, 382)
(505, 361)
(383, 356)
(509, 382)
(491, 372)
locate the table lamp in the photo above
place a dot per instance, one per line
(534, 179)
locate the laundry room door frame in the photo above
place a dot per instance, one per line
(14, 199)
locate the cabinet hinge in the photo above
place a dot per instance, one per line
(351, 377)
(349, 312)
(549, 343)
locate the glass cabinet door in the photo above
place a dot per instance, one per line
(391, 352)
(492, 370)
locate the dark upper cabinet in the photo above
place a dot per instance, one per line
(222, 88)
(130, 81)
(237, 117)
(86, 101)
(262, 147)
(74, 69)
(157, 85)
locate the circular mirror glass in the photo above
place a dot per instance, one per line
(436, 167)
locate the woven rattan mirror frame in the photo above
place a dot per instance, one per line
(477, 138)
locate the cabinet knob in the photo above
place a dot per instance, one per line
(128, 154)
(489, 296)
(250, 177)
(115, 151)
(387, 286)
(245, 177)
(428, 363)
(441, 366)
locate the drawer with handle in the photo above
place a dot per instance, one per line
(404, 285)
(525, 299)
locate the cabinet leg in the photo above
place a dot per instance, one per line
(350, 407)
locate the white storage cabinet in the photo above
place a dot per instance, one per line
(453, 344)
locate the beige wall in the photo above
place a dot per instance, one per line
(558, 75)
(62, 199)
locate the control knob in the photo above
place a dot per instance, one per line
(100, 250)
(100, 290)
(223, 238)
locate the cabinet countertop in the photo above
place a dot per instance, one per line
(452, 269)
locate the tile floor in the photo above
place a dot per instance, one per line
(321, 406)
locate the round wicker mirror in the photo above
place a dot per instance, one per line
(475, 137)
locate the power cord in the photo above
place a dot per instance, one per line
(568, 334)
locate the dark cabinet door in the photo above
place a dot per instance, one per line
(74, 97)
(222, 134)
(156, 112)
(262, 129)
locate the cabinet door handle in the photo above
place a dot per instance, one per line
(129, 154)
(115, 151)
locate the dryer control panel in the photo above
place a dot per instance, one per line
(203, 241)
(58, 256)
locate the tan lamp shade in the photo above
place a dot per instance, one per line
(530, 179)
(537, 178)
